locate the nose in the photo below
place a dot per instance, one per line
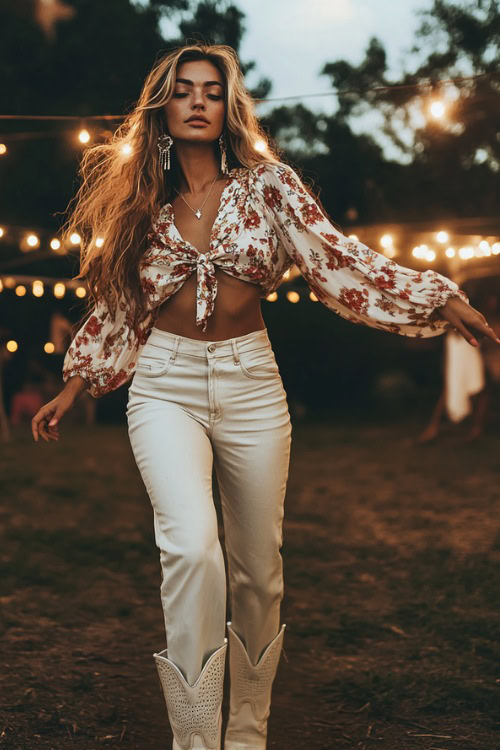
(197, 99)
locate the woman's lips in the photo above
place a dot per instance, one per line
(197, 122)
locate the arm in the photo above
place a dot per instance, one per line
(104, 351)
(348, 277)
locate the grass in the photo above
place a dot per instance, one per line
(390, 553)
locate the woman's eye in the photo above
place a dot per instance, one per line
(210, 96)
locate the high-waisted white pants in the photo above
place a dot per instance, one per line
(194, 405)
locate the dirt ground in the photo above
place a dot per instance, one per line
(390, 552)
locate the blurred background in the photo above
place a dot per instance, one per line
(391, 529)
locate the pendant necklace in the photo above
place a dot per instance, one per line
(197, 213)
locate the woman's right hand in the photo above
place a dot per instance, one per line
(46, 420)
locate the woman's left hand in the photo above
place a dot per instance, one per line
(460, 314)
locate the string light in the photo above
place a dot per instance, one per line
(353, 237)
(313, 297)
(37, 288)
(49, 348)
(126, 149)
(272, 297)
(75, 238)
(466, 252)
(84, 136)
(386, 240)
(260, 145)
(20, 290)
(32, 240)
(293, 296)
(2, 232)
(59, 290)
(55, 244)
(437, 109)
(3, 149)
(442, 237)
(11, 346)
(450, 252)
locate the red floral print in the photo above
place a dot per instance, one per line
(266, 222)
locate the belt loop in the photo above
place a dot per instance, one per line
(235, 352)
(176, 346)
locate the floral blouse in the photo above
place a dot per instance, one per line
(266, 222)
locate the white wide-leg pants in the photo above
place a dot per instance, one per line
(194, 405)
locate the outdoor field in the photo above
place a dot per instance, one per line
(391, 554)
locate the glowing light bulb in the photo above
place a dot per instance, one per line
(99, 241)
(386, 240)
(293, 296)
(442, 237)
(450, 252)
(495, 248)
(126, 149)
(313, 297)
(20, 290)
(80, 291)
(59, 289)
(260, 145)
(55, 244)
(84, 136)
(37, 288)
(2, 232)
(75, 238)
(437, 109)
(49, 347)
(485, 248)
(32, 240)
(353, 237)
(3, 149)
(466, 252)
(11, 346)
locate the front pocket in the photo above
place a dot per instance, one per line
(151, 366)
(260, 364)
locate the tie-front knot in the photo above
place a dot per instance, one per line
(201, 258)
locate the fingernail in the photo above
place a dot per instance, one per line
(474, 342)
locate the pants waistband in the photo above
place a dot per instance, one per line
(198, 348)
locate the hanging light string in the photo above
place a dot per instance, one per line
(332, 92)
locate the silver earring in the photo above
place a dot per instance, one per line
(223, 153)
(164, 144)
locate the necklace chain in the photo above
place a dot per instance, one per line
(197, 213)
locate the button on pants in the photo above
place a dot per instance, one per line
(194, 405)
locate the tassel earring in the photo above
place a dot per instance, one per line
(223, 153)
(164, 144)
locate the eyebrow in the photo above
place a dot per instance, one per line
(207, 83)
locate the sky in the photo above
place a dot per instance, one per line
(291, 40)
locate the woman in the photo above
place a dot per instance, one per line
(179, 245)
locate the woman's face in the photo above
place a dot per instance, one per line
(199, 90)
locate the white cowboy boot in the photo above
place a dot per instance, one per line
(250, 693)
(194, 711)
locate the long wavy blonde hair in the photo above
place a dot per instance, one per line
(123, 185)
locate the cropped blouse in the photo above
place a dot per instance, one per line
(266, 222)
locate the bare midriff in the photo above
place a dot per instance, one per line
(237, 309)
